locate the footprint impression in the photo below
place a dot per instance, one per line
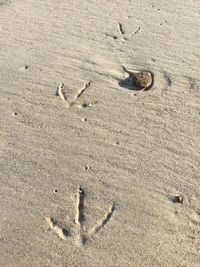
(61, 93)
(80, 236)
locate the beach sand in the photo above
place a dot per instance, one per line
(93, 172)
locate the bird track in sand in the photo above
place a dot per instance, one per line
(61, 92)
(81, 236)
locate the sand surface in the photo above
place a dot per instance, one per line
(91, 172)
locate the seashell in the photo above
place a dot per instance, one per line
(142, 80)
(138, 80)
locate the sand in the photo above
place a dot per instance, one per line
(92, 172)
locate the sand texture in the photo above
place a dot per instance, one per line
(95, 170)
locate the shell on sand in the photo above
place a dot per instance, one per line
(143, 80)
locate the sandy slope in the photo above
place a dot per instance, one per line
(134, 150)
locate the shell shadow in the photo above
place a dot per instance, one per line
(4, 2)
(130, 83)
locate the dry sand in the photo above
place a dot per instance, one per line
(93, 173)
